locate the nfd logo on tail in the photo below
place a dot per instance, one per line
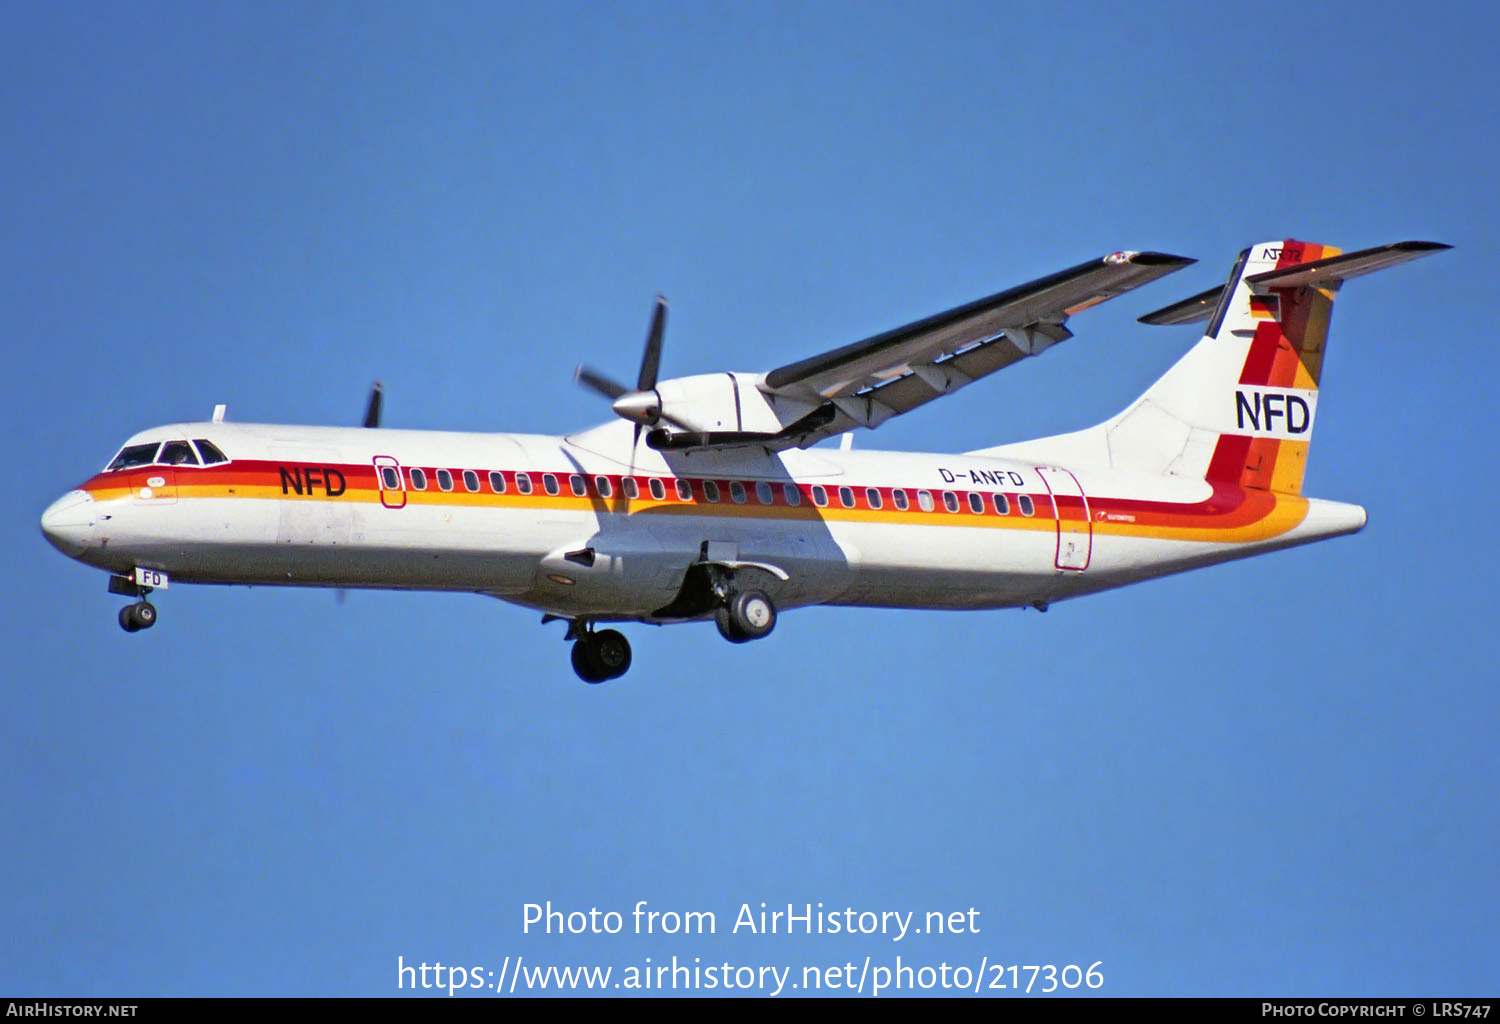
(1265, 412)
(707, 500)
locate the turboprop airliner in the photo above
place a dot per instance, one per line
(707, 500)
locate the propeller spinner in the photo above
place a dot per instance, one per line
(640, 405)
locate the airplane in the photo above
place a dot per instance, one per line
(707, 500)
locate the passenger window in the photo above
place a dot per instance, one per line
(793, 496)
(523, 483)
(471, 481)
(1027, 508)
(497, 481)
(418, 479)
(924, 501)
(898, 496)
(950, 501)
(737, 492)
(872, 495)
(711, 490)
(1002, 505)
(846, 497)
(658, 489)
(684, 490)
(763, 492)
(445, 479)
(976, 503)
(390, 478)
(211, 455)
(177, 453)
(549, 481)
(820, 496)
(630, 488)
(136, 455)
(605, 487)
(577, 486)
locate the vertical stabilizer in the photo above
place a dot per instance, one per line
(1240, 406)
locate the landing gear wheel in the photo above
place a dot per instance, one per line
(136, 617)
(584, 665)
(612, 651)
(601, 656)
(748, 615)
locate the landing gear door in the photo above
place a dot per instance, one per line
(391, 481)
(1075, 529)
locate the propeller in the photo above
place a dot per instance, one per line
(372, 411)
(372, 419)
(640, 405)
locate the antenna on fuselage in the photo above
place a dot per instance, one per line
(219, 413)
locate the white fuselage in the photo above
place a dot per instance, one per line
(349, 507)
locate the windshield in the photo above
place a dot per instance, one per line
(135, 455)
(178, 453)
(210, 453)
(168, 453)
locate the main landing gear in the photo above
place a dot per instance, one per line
(598, 656)
(741, 615)
(744, 616)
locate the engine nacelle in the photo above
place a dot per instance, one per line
(729, 403)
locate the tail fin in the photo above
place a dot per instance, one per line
(1240, 405)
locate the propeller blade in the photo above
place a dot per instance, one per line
(598, 382)
(651, 361)
(372, 411)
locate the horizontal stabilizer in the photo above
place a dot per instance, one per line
(1340, 268)
(1326, 272)
(1187, 311)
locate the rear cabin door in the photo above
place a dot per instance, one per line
(1075, 530)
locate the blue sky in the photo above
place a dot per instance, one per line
(1274, 777)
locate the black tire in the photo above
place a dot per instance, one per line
(727, 628)
(749, 615)
(586, 664)
(612, 652)
(127, 619)
(753, 613)
(145, 615)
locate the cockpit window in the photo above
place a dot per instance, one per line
(211, 454)
(177, 453)
(135, 455)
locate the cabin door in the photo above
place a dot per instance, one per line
(1075, 530)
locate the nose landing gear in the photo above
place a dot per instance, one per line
(139, 616)
(142, 614)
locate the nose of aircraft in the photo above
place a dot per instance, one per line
(69, 523)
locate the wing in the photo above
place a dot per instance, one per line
(866, 383)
